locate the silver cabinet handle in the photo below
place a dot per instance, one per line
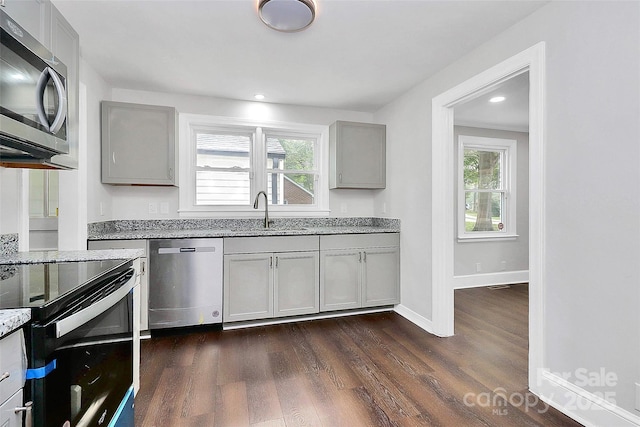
(270, 262)
(28, 421)
(340, 178)
(4, 376)
(276, 262)
(365, 256)
(359, 256)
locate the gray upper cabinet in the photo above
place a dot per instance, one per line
(357, 154)
(139, 144)
(32, 15)
(65, 45)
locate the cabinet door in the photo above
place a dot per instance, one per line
(65, 45)
(340, 279)
(8, 415)
(138, 144)
(296, 283)
(380, 279)
(360, 155)
(32, 15)
(248, 287)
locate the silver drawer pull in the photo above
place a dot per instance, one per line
(28, 422)
(4, 376)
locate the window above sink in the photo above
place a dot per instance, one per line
(226, 162)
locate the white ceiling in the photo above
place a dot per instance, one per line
(357, 55)
(510, 114)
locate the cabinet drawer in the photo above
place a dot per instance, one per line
(243, 245)
(8, 415)
(13, 364)
(348, 241)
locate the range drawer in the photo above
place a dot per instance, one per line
(13, 364)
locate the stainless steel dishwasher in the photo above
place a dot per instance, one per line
(185, 282)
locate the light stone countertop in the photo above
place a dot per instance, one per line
(12, 319)
(255, 232)
(237, 227)
(69, 256)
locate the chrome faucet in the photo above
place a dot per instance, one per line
(266, 207)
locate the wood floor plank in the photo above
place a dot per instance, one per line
(367, 370)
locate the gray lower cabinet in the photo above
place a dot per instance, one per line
(267, 277)
(13, 367)
(359, 271)
(139, 144)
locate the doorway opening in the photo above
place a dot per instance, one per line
(443, 206)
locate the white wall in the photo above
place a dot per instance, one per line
(132, 202)
(515, 253)
(10, 188)
(592, 175)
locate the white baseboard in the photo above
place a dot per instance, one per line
(490, 279)
(414, 317)
(583, 406)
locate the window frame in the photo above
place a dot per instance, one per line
(189, 124)
(509, 156)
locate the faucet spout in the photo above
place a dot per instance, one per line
(266, 207)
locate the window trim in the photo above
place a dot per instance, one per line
(509, 174)
(188, 123)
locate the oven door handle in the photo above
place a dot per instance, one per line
(74, 321)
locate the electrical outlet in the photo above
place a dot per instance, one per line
(101, 209)
(384, 207)
(153, 208)
(478, 267)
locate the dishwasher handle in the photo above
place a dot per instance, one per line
(165, 251)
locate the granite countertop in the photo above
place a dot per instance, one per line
(178, 229)
(69, 256)
(12, 319)
(181, 234)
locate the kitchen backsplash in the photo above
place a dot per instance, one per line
(115, 226)
(8, 244)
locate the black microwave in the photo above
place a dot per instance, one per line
(33, 97)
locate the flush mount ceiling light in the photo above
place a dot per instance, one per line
(287, 15)
(497, 99)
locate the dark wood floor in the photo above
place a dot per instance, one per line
(368, 370)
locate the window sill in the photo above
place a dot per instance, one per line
(472, 239)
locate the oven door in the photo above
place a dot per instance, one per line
(82, 372)
(33, 106)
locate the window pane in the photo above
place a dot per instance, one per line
(222, 188)
(223, 150)
(291, 189)
(484, 211)
(482, 169)
(290, 153)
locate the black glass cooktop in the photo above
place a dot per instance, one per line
(36, 285)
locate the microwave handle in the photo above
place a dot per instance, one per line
(41, 86)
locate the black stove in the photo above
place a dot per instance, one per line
(79, 341)
(47, 287)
